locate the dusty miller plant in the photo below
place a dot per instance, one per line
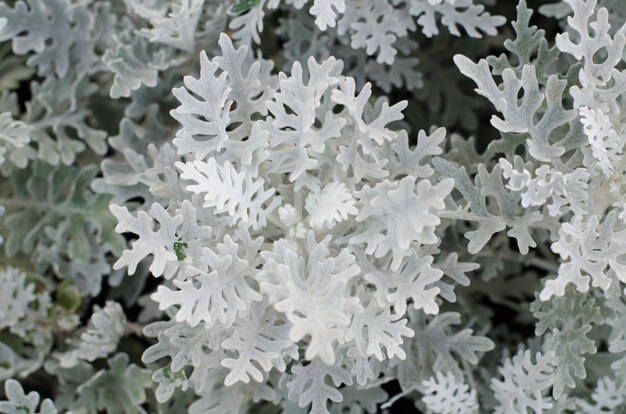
(303, 207)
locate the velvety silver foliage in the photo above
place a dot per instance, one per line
(301, 206)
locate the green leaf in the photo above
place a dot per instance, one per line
(438, 346)
(529, 47)
(242, 6)
(68, 296)
(566, 321)
(119, 389)
(55, 219)
(179, 250)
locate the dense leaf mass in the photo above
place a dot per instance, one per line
(301, 206)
